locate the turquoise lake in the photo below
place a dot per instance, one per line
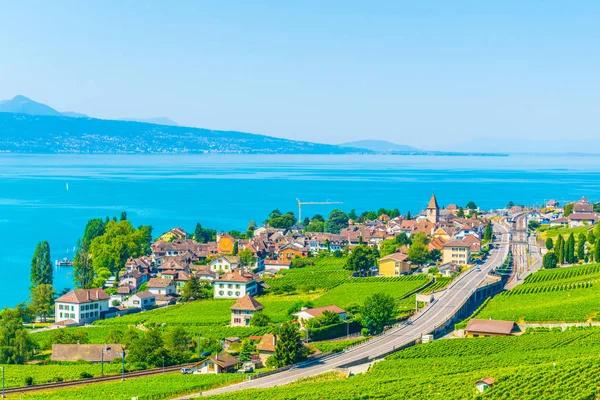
(227, 191)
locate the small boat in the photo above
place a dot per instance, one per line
(65, 262)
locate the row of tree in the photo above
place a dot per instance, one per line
(570, 251)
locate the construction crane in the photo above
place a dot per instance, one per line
(300, 203)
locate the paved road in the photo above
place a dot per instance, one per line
(526, 254)
(426, 322)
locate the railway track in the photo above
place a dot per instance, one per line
(79, 382)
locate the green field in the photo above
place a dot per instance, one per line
(533, 366)
(153, 387)
(95, 334)
(356, 290)
(560, 295)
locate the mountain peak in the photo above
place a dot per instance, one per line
(24, 105)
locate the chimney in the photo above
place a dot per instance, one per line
(217, 357)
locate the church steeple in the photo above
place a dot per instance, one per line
(433, 210)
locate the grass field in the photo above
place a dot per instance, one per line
(560, 295)
(534, 366)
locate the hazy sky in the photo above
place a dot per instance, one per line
(428, 74)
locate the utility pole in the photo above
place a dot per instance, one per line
(2, 382)
(123, 365)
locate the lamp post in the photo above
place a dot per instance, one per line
(103, 350)
(163, 364)
(2, 382)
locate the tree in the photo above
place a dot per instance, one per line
(581, 246)
(510, 204)
(488, 233)
(119, 242)
(250, 229)
(247, 350)
(337, 221)
(247, 258)
(418, 252)
(289, 348)
(147, 348)
(236, 248)
(568, 209)
(123, 216)
(408, 216)
(352, 215)
(549, 244)
(93, 229)
(326, 319)
(16, 346)
(471, 205)
(560, 249)
(597, 251)
(549, 261)
(114, 336)
(178, 339)
(197, 289)
(533, 225)
(388, 246)
(42, 300)
(377, 311)
(41, 265)
(83, 271)
(361, 258)
(315, 226)
(570, 249)
(402, 239)
(460, 213)
(591, 238)
(281, 221)
(260, 319)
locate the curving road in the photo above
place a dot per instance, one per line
(435, 315)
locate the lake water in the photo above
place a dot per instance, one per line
(226, 192)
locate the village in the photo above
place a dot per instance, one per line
(282, 282)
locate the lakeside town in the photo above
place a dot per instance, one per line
(256, 302)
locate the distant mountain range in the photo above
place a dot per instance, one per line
(157, 121)
(27, 126)
(381, 146)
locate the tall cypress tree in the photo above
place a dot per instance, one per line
(581, 246)
(597, 251)
(41, 265)
(560, 249)
(570, 249)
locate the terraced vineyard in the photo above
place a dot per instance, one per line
(326, 273)
(561, 295)
(356, 290)
(15, 374)
(533, 366)
(439, 284)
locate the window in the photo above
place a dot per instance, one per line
(221, 293)
(60, 307)
(61, 314)
(229, 293)
(237, 293)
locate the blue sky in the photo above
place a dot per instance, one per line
(429, 74)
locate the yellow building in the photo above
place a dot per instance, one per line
(225, 243)
(457, 252)
(394, 264)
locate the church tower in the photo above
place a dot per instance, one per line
(433, 210)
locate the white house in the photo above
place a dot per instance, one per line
(162, 286)
(225, 263)
(234, 285)
(310, 313)
(143, 299)
(81, 306)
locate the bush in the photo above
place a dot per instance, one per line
(29, 381)
(85, 375)
(365, 332)
(57, 379)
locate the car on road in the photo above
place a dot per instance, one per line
(477, 269)
(186, 371)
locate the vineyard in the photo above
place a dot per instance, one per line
(562, 295)
(440, 284)
(326, 273)
(356, 290)
(146, 388)
(15, 374)
(542, 365)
